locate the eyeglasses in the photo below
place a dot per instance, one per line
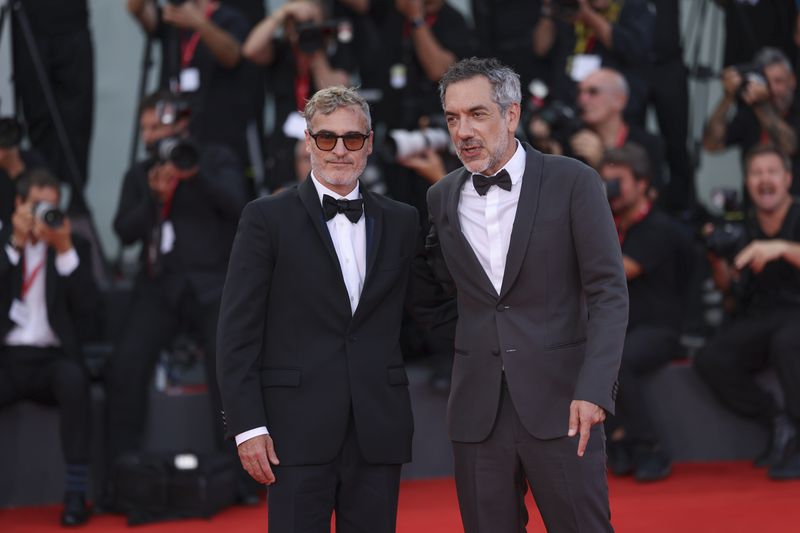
(591, 90)
(326, 140)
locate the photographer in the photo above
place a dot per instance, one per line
(657, 256)
(763, 92)
(601, 101)
(47, 301)
(580, 36)
(765, 273)
(181, 204)
(307, 57)
(13, 163)
(201, 58)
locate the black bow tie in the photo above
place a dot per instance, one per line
(483, 183)
(352, 209)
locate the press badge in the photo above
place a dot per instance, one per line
(583, 65)
(167, 237)
(397, 76)
(19, 313)
(190, 79)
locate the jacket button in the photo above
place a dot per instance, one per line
(501, 307)
(495, 352)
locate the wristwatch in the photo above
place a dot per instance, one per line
(417, 22)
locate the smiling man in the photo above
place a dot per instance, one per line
(766, 275)
(312, 378)
(527, 242)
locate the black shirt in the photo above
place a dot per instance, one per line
(667, 36)
(663, 250)
(407, 92)
(750, 27)
(48, 17)
(779, 282)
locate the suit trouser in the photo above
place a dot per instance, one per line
(746, 346)
(46, 375)
(152, 322)
(492, 476)
(363, 496)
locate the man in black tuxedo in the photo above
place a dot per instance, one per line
(528, 243)
(183, 214)
(310, 368)
(47, 300)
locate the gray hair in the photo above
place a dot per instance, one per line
(769, 56)
(504, 81)
(328, 100)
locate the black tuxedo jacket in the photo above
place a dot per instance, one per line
(72, 301)
(204, 213)
(558, 324)
(292, 356)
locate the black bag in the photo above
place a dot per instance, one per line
(149, 487)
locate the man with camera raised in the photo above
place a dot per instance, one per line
(47, 301)
(656, 253)
(764, 332)
(763, 92)
(181, 204)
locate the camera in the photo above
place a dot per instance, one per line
(48, 213)
(562, 119)
(10, 132)
(311, 36)
(171, 110)
(180, 152)
(403, 143)
(750, 72)
(729, 235)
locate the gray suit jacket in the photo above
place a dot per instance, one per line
(558, 325)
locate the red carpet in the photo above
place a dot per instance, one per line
(707, 498)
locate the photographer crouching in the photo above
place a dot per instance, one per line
(764, 331)
(48, 297)
(182, 204)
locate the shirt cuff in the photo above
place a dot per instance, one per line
(247, 435)
(67, 262)
(13, 255)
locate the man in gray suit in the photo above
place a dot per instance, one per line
(527, 242)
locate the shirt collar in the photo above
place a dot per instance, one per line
(322, 190)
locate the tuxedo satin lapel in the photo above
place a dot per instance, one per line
(466, 247)
(308, 195)
(526, 214)
(374, 226)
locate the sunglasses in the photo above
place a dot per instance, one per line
(326, 141)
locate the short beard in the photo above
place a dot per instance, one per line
(494, 158)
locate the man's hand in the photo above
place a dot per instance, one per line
(299, 12)
(256, 455)
(755, 93)
(587, 145)
(427, 164)
(186, 16)
(731, 81)
(410, 9)
(162, 179)
(22, 222)
(59, 239)
(757, 254)
(582, 416)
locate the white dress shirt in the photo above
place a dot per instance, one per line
(350, 241)
(486, 221)
(35, 329)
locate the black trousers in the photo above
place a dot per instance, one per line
(363, 496)
(746, 346)
(69, 63)
(492, 476)
(152, 322)
(48, 376)
(647, 348)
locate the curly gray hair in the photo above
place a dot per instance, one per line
(328, 100)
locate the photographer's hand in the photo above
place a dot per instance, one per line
(410, 9)
(731, 81)
(59, 239)
(588, 146)
(755, 93)
(162, 181)
(22, 222)
(427, 164)
(186, 16)
(757, 254)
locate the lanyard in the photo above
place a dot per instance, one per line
(28, 279)
(622, 136)
(189, 46)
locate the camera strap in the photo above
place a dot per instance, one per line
(29, 278)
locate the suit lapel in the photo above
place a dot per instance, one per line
(526, 214)
(466, 247)
(308, 195)
(50, 279)
(374, 227)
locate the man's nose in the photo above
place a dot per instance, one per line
(339, 148)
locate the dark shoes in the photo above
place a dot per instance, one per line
(789, 467)
(645, 461)
(75, 511)
(782, 433)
